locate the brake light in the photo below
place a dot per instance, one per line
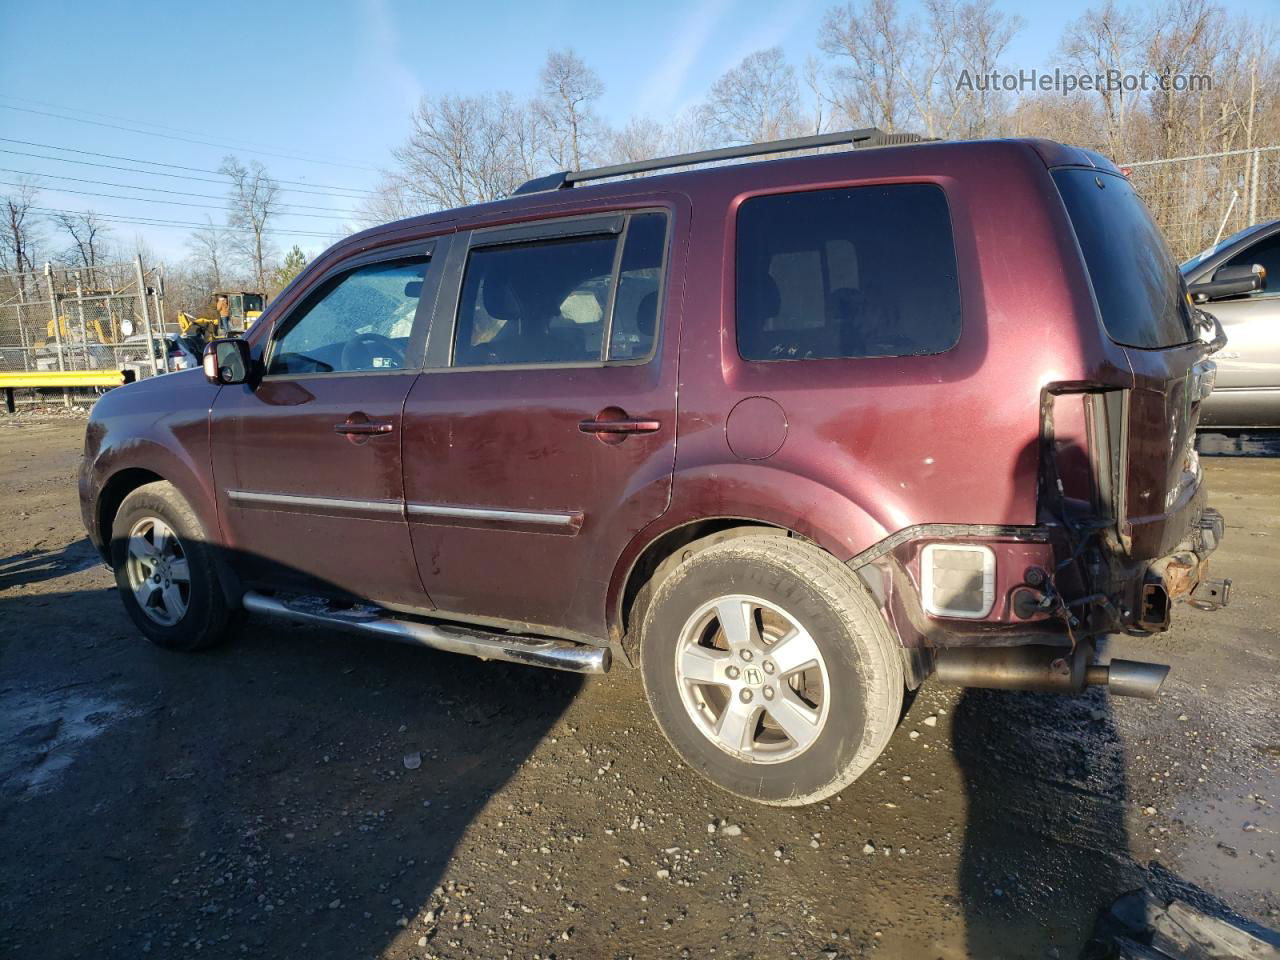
(1084, 451)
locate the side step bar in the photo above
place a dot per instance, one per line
(1046, 669)
(533, 651)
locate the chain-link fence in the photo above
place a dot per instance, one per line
(105, 317)
(1198, 200)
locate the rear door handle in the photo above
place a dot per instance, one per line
(620, 426)
(363, 429)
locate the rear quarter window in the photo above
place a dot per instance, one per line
(1135, 280)
(850, 272)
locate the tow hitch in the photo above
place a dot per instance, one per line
(1182, 576)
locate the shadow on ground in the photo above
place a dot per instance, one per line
(1045, 844)
(36, 566)
(227, 811)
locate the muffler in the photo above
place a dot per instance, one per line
(1046, 669)
(534, 651)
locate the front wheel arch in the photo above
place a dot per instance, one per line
(113, 493)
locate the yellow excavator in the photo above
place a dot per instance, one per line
(245, 308)
(100, 333)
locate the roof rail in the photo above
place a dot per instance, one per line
(866, 137)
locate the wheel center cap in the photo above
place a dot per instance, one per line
(753, 676)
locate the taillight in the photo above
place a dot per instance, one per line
(1083, 450)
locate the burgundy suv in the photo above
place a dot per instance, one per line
(789, 436)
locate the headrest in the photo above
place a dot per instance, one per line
(499, 299)
(768, 297)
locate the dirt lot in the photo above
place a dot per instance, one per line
(265, 800)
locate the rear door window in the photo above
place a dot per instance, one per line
(1135, 280)
(851, 272)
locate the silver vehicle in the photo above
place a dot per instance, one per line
(172, 352)
(1238, 281)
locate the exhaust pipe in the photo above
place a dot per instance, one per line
(1046, 669)
(512, 648)
(1128, 678)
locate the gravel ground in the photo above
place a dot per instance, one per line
(306, 793)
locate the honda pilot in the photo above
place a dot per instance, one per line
(788, 436)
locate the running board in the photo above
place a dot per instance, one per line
(533, 651)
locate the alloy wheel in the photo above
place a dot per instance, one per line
(159, 575)
(752, 679)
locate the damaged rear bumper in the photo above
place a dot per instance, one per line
(1183, 575)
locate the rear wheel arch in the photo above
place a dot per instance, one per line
(663, 554)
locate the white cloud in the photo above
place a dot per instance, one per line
(387, 72)
(662, 89)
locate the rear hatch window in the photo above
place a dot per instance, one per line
(1135, 280)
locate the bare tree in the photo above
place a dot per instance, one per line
(569, 87)
(641, 139)
(893, 71)
(19, 239)
(462, 150)
(982, 35)
(209, 255)
(1103, 39)
(755, 101)
(18, 242)
(88, 239)
(253, 203)
(868, 41)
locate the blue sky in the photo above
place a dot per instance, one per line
(324, 90)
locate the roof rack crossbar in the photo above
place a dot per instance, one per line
(561, 181)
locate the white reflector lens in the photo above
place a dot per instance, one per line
(958, 580)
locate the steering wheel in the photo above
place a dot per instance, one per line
(359, 352)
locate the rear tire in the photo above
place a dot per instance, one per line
(770, 670)
(165, 571)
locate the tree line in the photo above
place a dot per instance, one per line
(238, 253)
(874, 64)
(941, 72)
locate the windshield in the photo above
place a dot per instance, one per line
(1208, 252)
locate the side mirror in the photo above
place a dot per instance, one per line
(227, 361)
(1230, 282)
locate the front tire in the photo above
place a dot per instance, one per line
(770, 670)
(165, 571)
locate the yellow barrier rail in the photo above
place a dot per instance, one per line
(37, 379)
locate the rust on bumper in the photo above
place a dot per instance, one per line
(1184, 575)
